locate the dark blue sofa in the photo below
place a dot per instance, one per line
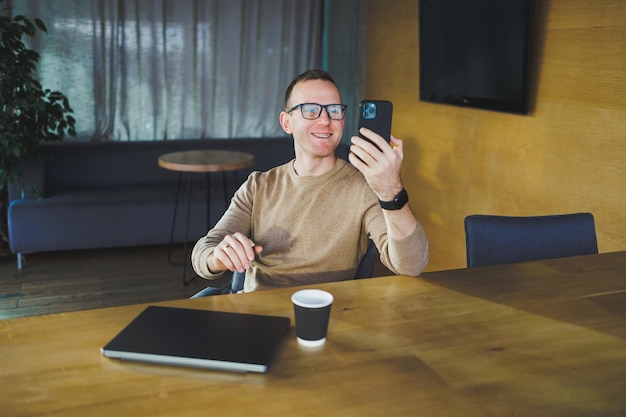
(113, 194)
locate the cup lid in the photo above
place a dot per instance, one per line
(311, 298)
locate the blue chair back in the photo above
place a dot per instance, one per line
(366, 267)
(494, 239)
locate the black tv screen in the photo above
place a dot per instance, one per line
(475, 53)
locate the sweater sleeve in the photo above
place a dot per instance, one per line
(407, 256)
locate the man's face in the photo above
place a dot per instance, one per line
(318, 137)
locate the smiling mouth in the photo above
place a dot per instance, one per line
(322, 135)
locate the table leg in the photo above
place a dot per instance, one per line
(186, 242)
(225, 189)
(169, 254)
(185, 263)
(208, 201)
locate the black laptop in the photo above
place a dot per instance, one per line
(200, 338)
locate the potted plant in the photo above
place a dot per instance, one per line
(29, 114)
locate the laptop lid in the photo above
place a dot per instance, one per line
(200, 338)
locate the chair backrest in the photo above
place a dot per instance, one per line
(494, 239)
(366, 267)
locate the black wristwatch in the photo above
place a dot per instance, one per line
(397, 203)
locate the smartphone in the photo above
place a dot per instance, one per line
(376, 116)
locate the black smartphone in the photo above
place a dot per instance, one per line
(376, 116)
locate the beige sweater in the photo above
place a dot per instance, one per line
(312, 229)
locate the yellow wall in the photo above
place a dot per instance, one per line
(567, 155)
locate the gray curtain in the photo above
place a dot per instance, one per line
(345, 53)
(175, 69)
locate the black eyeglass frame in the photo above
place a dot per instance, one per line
(343, 108)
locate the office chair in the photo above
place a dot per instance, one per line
(494, 239)
(365, 270)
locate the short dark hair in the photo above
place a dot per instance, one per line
(312, 74)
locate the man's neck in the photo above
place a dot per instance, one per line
(312, 167)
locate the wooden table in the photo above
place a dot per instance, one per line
(206, 161)
(201, 161)
(532, 339)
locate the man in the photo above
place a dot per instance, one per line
(308, 221)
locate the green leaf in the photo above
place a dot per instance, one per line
(40, 24)
(29, 28)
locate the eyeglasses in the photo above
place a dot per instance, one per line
(312, 111)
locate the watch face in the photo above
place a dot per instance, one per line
(401, 199)
(398, 202)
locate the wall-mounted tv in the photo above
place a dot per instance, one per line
(475, 53)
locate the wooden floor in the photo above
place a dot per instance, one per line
(65, 281)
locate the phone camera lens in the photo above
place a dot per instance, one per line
(369, 110)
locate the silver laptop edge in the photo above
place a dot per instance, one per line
(188, 362)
